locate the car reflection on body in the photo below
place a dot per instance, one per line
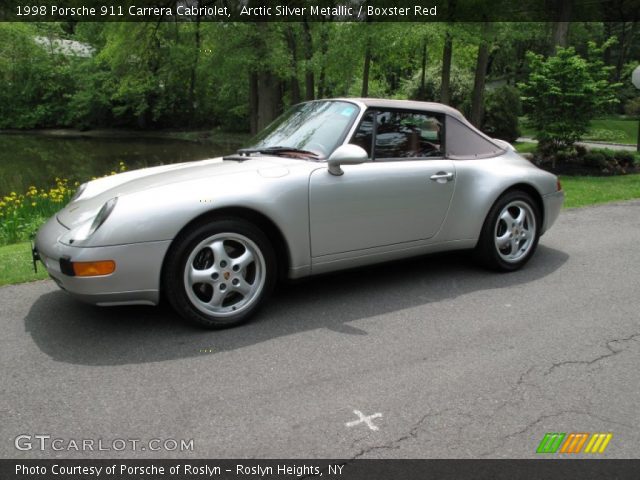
(331, 184)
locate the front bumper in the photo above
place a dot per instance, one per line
(136, 279)
(552, 206)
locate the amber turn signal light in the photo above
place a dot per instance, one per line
(93, 269)
(558, 186)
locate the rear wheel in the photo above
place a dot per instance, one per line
(218, 274)
(510, 232)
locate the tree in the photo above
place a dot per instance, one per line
(564, 92)
(502, 108)
(447, 53)
(477, 99)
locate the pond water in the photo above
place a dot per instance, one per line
(37, 160)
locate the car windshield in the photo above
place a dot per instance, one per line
(314, 127)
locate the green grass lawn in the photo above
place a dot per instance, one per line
(16, 266)
(525, 129)
(582, 191)
(15, 260)
(615, 129)
(525, 147)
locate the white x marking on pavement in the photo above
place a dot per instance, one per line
(366, 419)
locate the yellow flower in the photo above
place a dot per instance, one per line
(13, 194)
(33, 204)
(44, 195)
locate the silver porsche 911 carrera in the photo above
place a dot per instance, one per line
(331, 184)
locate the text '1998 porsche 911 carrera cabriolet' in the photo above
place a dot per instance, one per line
(329, 185)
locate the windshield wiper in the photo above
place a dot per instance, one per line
(276, 151)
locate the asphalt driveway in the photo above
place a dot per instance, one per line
(438, 357)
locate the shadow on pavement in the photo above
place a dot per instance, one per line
(69, 331)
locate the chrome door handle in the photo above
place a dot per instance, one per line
(442, 177)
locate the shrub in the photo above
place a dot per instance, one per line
(609, 155)
(632, 107)
(625, 159)
(595, 159)
(564, 92)
(581, 150)
(502, 109)
(21, 214)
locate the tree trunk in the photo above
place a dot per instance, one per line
(324, 47)
(365, 72)
(194, 70)
(477, 98)
(253, 102)
(308, 54)
(560, 37)
(423, 88)
(265, 87)
(607, 34)
(294, 85)
(268, 99)
(447, 53)
(625, 40)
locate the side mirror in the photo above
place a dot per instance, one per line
(346, 155)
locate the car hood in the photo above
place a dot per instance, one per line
(98, 191)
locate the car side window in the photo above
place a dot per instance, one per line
(397, 134)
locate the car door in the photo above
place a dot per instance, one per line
(402, 195)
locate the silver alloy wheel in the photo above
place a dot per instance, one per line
(224, 274)
(515, 231)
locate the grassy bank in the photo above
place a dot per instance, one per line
(22, 213)
(16, 266)
(525, 147)
(15, 260)
(582, 191)
(615, 129)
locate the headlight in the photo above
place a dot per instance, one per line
(87, 229)
(103, 214)
(79, 192)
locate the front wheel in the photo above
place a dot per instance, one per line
(510, 232)
(218, 274)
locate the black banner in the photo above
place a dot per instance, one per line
(320, 10)
(547, 469)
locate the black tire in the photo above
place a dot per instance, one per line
(234, 234)
(487, 251)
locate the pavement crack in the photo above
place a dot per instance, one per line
(395, 444)
(526, 428)
(611, 352)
